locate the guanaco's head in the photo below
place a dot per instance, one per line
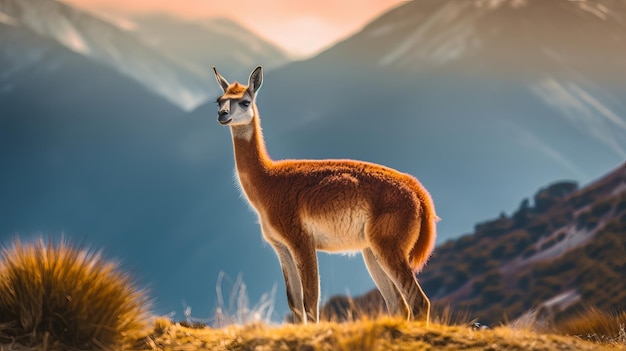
(236, 105)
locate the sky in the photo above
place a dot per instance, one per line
(302, 28)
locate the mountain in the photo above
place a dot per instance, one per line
(170, 57)
(564, 252)
(105, 43)
(560, 253)
(213, 42)
(483, 101)
(518, 38)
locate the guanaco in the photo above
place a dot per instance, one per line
(334, 206)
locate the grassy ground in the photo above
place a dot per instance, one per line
(62, 297)
(380, 334)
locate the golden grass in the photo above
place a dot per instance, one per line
(384, 333)
(596, 325)
(60, 297)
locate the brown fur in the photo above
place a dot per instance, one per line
(235, 91)
(336, 205)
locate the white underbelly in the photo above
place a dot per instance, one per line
(340, 231)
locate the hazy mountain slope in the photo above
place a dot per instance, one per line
(508, 37)
(103, 42)
(214, 42)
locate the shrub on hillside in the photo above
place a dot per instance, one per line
(602, 207)
(62, 297)
(621, 204)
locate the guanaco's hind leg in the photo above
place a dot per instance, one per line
(391, 237)
(393, 299)
(401, 274)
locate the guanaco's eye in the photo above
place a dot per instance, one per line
(244, 103)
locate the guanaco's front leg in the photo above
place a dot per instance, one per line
(292, 282)
(305, 258)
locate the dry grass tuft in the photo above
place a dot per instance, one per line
(445, 315)
(161, 324)
(62, 297)
(238, 310)
(595, 325)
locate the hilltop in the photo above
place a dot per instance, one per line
(381, 334)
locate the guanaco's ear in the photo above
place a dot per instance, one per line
(221, 80)
(255, 80)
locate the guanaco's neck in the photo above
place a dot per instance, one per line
(251, 158)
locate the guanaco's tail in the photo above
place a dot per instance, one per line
(425, 243)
